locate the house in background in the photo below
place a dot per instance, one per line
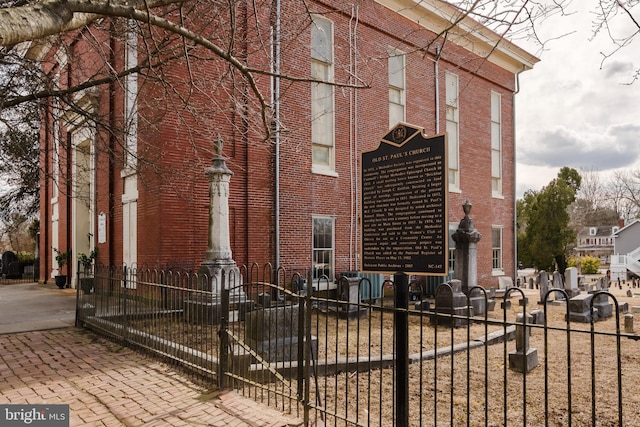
(139, 193)
(625, 263)
(596, 242)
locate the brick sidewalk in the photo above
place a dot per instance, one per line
(108, 385)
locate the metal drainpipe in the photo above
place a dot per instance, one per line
(437, 88)
(353, 144)
(515, 218)
(276, 104)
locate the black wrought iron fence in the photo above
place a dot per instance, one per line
(333, 351)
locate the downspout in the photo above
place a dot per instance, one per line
(353, 143)
(112, 146)
(436, 70)
(47, 190)
(513, 135)
(68, 199)
(276, 107)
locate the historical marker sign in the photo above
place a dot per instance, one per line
(404, 204)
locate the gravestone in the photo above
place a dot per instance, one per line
(11, 266)
(558, 283)
(542, 283)
(491, 299)
(505, 282)
(605, 308)
(349, 290)
(525, 358)
(571, 282)
(538, 316)
(274, 335)
(628, 323)
(466, 256)
(466, 251)
(451, 302)
(580, 309)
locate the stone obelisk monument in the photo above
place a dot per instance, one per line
(466, 258)
(466, 252)
(218, 258)
(218, 267)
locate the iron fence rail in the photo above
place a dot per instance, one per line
(325, 358)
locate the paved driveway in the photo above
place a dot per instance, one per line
(33, 307)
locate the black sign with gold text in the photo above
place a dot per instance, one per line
(404, 204)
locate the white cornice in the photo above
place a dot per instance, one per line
(436, 16)
(85, 105)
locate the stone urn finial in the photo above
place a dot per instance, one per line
(466, 229)
(466, 207)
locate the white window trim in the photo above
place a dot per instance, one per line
(496, 97)
(393, 53)
(498, 271)
(332, 262)
(454, 184)
(131, 102)
(317, 168)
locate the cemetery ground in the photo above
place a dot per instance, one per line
(454, 387)
(477, 383)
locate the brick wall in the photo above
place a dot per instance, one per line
(175, 143)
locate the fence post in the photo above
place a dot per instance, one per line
(124, 298)
(77, 322)
(307, 349)
(302, 334)
(223, 361)
(401, 326)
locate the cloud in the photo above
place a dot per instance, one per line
(618, 70)
(614, 148)
(575, 110)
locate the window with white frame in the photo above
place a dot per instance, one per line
(452, 247)
(131, 100)
(496, 144)
(496, 248)
(322, 96)
(129, 174)
(323, 248)
(397, 96)
(453, 137)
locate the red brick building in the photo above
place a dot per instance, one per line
(124, 163)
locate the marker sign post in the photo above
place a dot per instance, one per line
(404, 204)
(405, 226)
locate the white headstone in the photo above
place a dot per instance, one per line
(505, 282)
(571, 278)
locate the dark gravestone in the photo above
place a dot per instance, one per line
(11, 266)
(451, 302)
(580, 309)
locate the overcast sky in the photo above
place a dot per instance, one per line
(570, 110)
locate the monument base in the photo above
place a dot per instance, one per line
(521, 362)
(443, 316)
(583, 317)
(350, 311)
(281, 349)
(479, 305)
(208, 311)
